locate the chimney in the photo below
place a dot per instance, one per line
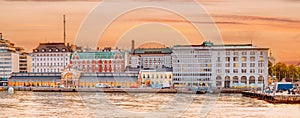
(132, 44)
(0, 36)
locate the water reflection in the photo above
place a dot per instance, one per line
(30, 104)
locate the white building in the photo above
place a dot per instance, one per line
(154, 58)
(50, 57)
(222, 66)
(10, 58)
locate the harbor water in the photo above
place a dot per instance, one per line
(98, 104)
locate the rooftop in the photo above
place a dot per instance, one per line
(52, 47)
(211, 45)
(153, 51)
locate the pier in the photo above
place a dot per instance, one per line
(273, 98)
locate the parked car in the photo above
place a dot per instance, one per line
(102, 86)
(61, 86)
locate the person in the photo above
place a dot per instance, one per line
(293, 91)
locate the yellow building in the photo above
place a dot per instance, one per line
(155, 78)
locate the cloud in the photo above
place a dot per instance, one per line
(185, 21)
(51, 0)
(260, 18)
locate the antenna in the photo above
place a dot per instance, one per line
(64, 28)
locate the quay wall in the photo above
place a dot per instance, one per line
(273, 98)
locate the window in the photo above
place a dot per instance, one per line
(260, 71)
(260, 65)
(252, 64)
(227, 53)
(236, 65)
(236, 53)
(261, 53)
(235, 58)
(252, 71)
(219, 59)
(227, 59)
(244, 53)
(227, 65)
(252, 58)
(235, 71)
(244, 59)
(252, 53)
(261, 58)
(219, 70)
(227, 71)
(219, 65)
(244, 64)
(244, 71)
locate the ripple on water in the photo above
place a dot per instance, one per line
(30, 104)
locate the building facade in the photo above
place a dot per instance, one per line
(50, 57)
(106, 61)
(155, 79)
(221, 66)
(11, 58)
(153, 58)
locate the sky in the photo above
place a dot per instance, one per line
(273, 24)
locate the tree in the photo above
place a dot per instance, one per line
(280, 70)
(292, 72)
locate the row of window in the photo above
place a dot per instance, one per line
(5, 62)
(192, 74)
(48, 70)
(49, 59)
(242, 65)
(240, 71)
(191, 79)
(51, 50)
(51, 55)
(163, 76)
(243, 59)
(49, 64)
(243, 53)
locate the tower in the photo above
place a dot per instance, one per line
(64, 21)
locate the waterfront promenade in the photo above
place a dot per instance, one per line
(107, 90)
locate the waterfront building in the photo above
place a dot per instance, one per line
(103, 61)
(221, 66)
(50, 57)
(24, 61)
(150, 58)
(155, 78)
(11, 58)
(72, 77)
(35, 79)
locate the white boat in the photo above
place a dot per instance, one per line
(11, 90)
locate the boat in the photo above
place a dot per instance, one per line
(11, 90)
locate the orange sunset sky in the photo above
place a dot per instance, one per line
(274, 24)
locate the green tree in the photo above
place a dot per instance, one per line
(280, 70)
(292, 72)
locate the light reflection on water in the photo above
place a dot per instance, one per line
(31, 104)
